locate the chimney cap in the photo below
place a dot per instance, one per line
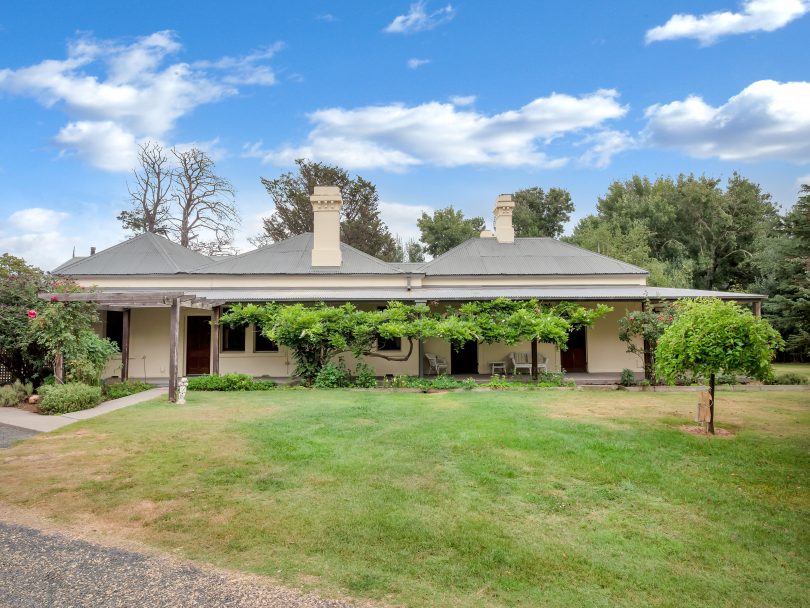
(92, 251)
(330, 192)
(504, 200)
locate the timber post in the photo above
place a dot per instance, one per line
(59, 368)
(125, 345)
(174, 339)
(534, 359)
(216, 312)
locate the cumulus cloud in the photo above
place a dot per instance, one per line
(603, 146)
(119, 94)
(755, 16)
(766, 120)
(463, 100)
(418, 19)
(35, 219)
(416, 63)
(395, 137)
(401, 218)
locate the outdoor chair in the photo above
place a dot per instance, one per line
(436, 364)
(523, 362)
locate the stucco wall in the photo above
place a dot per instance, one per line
(606, 353)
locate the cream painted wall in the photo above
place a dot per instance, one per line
(606, 353)
(488, 353)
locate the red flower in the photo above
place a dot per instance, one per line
(32, 314)
(660, 318)
(54, 298)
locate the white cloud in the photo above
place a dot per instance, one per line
(766, 120)
(401, 218)
(603, 146)
(47, 237)
(463, 100)
(755, 16)
(417, 19)
(804, 179)
(119, 94)
(396, 137)
(416, 63)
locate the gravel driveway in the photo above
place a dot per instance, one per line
(42, 570)
(10, 434)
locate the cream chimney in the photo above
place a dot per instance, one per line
(326, 203)
(504, 232)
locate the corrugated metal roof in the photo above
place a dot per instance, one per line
(526, 256)
(146, 253)
(407, 266)
(293, 256)
(555, 292)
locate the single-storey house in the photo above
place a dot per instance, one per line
(158, 298)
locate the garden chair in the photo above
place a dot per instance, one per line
(436, 364)
(523, 361)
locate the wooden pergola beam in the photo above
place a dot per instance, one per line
(129, 299)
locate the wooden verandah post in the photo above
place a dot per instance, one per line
(125, 345)
(535, 373)
(174, 340)
(216, 312)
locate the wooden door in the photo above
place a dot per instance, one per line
(465, 359)
(198, 345)
(575, 359)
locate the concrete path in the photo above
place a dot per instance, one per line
(37, 422)
(40, 569)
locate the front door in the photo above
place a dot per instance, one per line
(575, 359)
(465, 359)
(198, 345)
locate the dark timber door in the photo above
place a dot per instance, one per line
(465, 359)
(198, 345)
(575, 359)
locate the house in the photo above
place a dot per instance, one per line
(158, 298)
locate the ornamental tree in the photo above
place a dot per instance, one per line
(710, 336)
(647, 325)
(315, 334)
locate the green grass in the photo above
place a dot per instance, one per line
(795, 368)
(458, 499)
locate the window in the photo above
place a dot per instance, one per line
(389, 343)
(264, 345)
(114, 327)
(233, 338)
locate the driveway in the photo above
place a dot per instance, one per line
(41, 570)
(9, 435)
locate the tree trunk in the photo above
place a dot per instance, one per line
(59, 368)
(534, 360)
(711, 404)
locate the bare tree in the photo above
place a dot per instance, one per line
(150, 194)
(204, 205)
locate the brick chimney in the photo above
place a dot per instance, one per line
(326, 202)
(504, 232)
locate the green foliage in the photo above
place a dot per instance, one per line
(364, 376)
(641, 330)
(426, 384)
(229, 382)
(538, 213)
(333, 375)
(788, 378)
(124, 389)
(20, 353)
(86, 358)
(360, 222)
(709, 336)
(628, 378)
(318, 333)
(409, 251)
(13, 394)
(70, 397)
(446, 229)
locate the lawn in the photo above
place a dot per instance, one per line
(794, 368)
(545, 498)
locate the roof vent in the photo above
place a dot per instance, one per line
(92, 251)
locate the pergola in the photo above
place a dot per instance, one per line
(125, 301)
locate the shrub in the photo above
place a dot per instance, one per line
(364, 376)
(552, 379)
(333, 375)
(123, 389)
(229, 382)
(628, 378)
(12, 394)
(727, 379)
(71, 397)
(788, 378)
(499, 382)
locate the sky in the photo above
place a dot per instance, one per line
(435, 103)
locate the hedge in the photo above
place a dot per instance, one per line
(229, 382)
(71, 397)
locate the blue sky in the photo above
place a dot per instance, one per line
(436, 103)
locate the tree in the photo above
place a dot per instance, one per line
(409, 251)
(360, 223)
(783, 264)
(316, 334)
(150, 195)
(538, 213)
(647, 326)
(20, 285)
(709, 336)
(447, 228)
(203, 204)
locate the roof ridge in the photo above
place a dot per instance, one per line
(606, 257)
(451, 250)
(76, 260)
(162, 250)
(369, 256)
